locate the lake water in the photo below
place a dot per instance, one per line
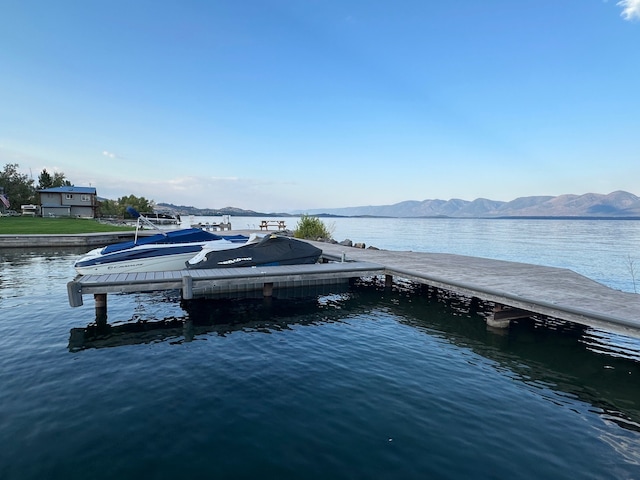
(363, 383)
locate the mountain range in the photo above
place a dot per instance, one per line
(617, 204)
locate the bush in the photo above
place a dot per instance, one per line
(311, 228)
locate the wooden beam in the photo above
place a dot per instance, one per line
(502, 316)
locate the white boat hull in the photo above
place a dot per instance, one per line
(140, 265)
(151, 257)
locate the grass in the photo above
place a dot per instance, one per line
(44, 226)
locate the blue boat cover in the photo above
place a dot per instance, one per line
(187, 235)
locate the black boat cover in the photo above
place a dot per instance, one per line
(272, 250)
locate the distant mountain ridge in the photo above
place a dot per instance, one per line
(619, 204)
(213, 212)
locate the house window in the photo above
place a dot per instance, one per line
(84, 198)
(69, 196)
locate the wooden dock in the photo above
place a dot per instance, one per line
(553, 292)
(516, 289)
(203, 282)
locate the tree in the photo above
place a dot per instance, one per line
(60, 181)
(109, 208)
(118, 208)
(141, 204)
(44, 180)
(18, 187)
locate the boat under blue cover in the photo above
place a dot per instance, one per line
(186, 235)
(163, 251)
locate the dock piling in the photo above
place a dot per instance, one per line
(100, 300)
(187, 287)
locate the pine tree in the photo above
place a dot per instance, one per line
(44, 180)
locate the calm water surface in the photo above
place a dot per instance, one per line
(363, 383)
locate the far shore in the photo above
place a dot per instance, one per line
(63, 239)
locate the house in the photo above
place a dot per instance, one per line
(68, 202)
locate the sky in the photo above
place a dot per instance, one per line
(287, 105)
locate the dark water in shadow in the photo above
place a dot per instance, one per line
(363, 383)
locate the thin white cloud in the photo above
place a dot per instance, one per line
(630, 9)
(111, 154)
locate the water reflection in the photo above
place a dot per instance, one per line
(544, 353)
(557, 359)
(24, 269)
(220, 316)
(27, 254)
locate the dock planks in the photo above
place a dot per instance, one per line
(550, 291)
(202, 281)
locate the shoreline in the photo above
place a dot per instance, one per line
(63, 239)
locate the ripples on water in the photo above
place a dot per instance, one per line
(364, 383)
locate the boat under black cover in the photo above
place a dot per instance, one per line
(271, 250)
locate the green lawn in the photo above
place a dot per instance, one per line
(38, 225)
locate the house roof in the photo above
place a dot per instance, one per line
(84, 190)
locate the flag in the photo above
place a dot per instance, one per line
(4, 200)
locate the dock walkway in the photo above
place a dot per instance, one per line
(202, 282)
(550, 291)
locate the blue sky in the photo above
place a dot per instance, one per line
(280, 105)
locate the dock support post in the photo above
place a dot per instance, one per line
(187, 287)
(101, 307)
(101, 319)
(267, 289)
(100, 299)
(474, 305)
(388, 281)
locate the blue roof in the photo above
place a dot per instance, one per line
(86, 190)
